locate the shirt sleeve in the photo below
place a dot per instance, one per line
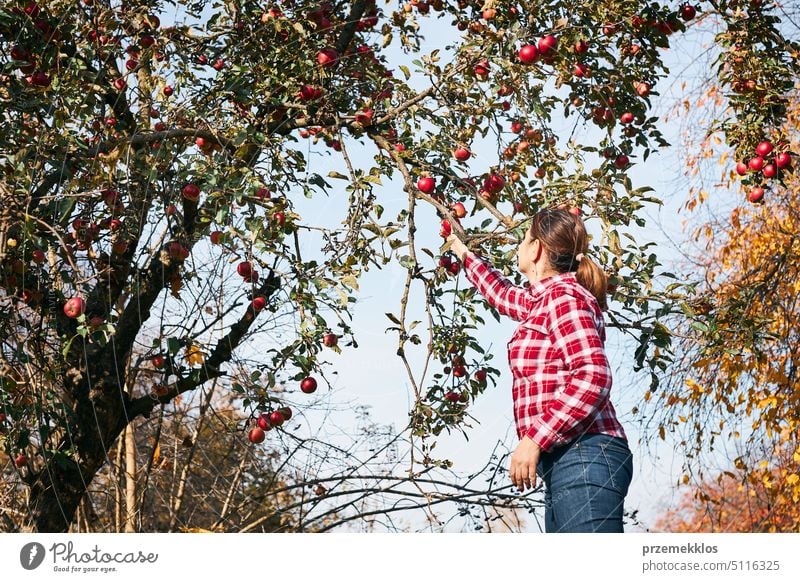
(579, 342)
(509, 299)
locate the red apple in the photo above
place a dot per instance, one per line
(461, 154)
(191, 192)
(580, 70)
(286, 412)
(581, 47)
(159, 361)
(39, 79)
(263, 193)
(642, 89)
(219, 64)
(120, 84)
(480, 375)
(770, 171)
(256, 435)
(446, 229)
(756, 194)
(263, 422)
(74, 307)
(245, 269)
(528, 54)
(481, 69)
(459, 210)
(444, 261)
(177, 251)
(216, 237)
(279, 218)
(327, 57)
(453, 268)
(547, 44)
(763, 149)
(426, 184)
(330, 340)
(38, 256)
(308, 385)
(688, 12)
(741, 168)
(171, 210)
(459, 371)
(626, 117)
(21, 460)
(258, 303)
(494, 183)
(756, 163)
(622, 161)
(276, 418)
(309, 92)
(452, 396)
(783, 159)
(364, 117)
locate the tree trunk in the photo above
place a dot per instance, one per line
(56, 490)
(130, 480)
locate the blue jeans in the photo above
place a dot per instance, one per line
(585, 484)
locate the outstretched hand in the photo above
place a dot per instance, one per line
(458, 247)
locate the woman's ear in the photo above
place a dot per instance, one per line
(537, 250)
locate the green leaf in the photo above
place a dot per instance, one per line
(335, 174)
(173, 345)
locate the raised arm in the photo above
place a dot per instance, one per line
(509, 299)
(578, 341)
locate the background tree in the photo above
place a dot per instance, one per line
(732, 394)
(150, 146)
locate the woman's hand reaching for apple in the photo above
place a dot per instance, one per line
(458, 247)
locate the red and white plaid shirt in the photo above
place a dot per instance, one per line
(561, 374)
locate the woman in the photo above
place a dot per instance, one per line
(568, 430)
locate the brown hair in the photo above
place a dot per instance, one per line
(563, 236)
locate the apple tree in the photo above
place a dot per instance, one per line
(154, 154)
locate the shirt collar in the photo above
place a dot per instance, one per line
(538, 288)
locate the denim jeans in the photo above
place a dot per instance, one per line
(585, 484)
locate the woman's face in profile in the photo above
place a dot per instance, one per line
(526, 252)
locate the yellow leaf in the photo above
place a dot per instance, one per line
(157, 453)
(792, 479)
(194, 355)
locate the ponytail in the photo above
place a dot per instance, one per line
(593, 278)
